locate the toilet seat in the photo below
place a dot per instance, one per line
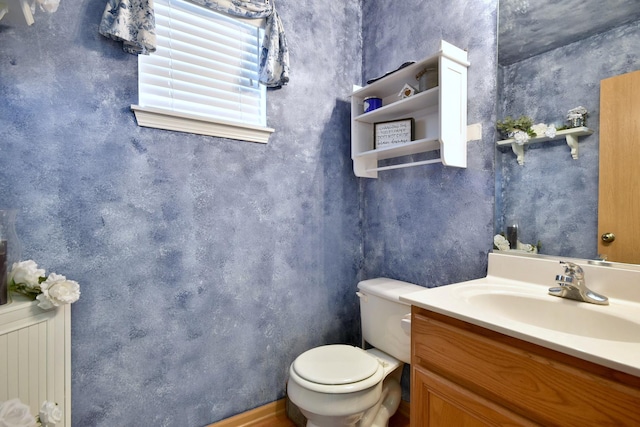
(335, 365)
(336, 369)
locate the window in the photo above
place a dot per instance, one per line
(203, 77)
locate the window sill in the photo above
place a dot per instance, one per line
(170, 120)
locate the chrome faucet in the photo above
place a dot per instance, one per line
(573, 286)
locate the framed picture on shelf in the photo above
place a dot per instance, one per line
(393, 132)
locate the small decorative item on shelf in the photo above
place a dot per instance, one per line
(53, 291)
(407, 91)
(518, 129)
(577, 117)
(14, 413)
(501, 243)
(372, 103)
(393, 132)
(427, 79)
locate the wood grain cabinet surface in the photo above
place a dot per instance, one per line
(466, 375)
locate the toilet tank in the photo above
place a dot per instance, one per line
(381, 314)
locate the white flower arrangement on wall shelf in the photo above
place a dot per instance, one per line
(51, 291)
(502, 244)
(519, 129)
(14, 413)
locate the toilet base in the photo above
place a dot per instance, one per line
(379, 414)
(294, 413)
(376, 416)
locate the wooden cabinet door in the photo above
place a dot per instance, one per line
(619, 186)
(466, 375)
(437, 402)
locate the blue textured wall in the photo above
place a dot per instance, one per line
(433, 225)
(207, 265)
(554, 197)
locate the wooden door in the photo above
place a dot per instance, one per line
(619, 187)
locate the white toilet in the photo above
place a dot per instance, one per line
(342, 385)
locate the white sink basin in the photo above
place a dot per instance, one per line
(558, 314)
(514, 300)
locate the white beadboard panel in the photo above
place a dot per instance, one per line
(35, 355)
(4, 368)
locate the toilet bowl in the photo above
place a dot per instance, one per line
(341, 385)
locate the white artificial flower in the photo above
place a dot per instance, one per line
(26, 273)
(550, 132)
(527, 247)
(542, 129)
(521, 137)
(50, 414)
(14, 413)
(501, 242)
(539, 129)
(57, 291)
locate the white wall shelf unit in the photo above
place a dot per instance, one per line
(35, 355)
(570, 135)
(439, 114)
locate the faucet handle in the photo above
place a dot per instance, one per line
(564, 280)
(572, 268)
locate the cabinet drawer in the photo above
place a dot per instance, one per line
(444, 403)
(544, 386)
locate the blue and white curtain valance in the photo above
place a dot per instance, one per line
(133, 23)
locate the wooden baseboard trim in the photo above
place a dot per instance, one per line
(273, 410)
(254, 416)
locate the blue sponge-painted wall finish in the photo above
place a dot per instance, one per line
(553, 197)
(207, 265)
(433, 225)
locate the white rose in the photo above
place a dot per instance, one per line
(50, 414)
(501, 242)
(551, 131)
(521, 137)
(14, 413)
(539, 129)
(26, 273)
(57, 291)
(527, 247)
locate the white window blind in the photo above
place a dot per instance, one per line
(206, 67)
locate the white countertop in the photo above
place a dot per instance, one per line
(607, 335)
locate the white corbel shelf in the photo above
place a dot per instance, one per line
(571, 136)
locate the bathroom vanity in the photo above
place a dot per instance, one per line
(501, 351)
